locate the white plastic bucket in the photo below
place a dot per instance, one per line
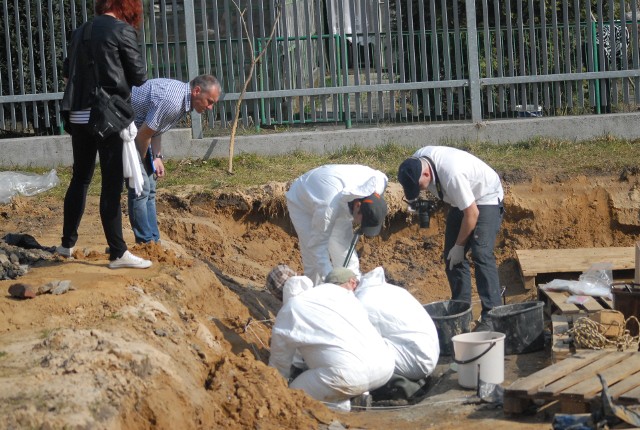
(479, 354)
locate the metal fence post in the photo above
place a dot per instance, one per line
(192, 61)
(474, 65)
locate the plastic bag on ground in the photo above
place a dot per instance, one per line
(26, 184)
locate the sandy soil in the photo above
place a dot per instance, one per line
(184, 343)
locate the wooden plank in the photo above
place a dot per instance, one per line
(603, 362)
(572, 407)
(636, 276)
(535, 261)
(592, 305)
(515, 405)
(588, 388)
(622, 387)
(559, 299)
(631, 396)
(540, 379)
(559, 325)
(529, 282)
(561, 341)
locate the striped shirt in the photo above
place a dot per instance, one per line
(79, 116)
(161, 103)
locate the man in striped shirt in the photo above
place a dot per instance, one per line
(159, 104)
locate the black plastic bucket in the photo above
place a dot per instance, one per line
(626, 299)
(523, 325)
(451, 317)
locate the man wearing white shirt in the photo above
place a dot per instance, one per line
(475, 195)
(159, 104)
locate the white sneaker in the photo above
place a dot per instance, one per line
(129, 260)
(65, 252)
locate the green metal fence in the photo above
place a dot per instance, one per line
(349, 61)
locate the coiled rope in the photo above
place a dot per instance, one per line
(588, 334)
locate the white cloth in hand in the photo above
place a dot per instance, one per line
(456, 255)
(130, 158)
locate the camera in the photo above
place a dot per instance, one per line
(424, 208)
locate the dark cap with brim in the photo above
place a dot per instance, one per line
(373, 209)
(409, 174)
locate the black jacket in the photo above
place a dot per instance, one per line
(115, 51)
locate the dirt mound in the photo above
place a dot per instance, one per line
(187, 341)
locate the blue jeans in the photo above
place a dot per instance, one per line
(142, 208)
(481, 243)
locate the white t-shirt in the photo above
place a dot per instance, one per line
(464, 178)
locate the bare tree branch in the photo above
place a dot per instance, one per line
(254, 60)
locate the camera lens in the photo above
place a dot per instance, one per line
(423, 218)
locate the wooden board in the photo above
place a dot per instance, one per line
(562, 342)
(536, 261)
(556, 303)
(574, 383)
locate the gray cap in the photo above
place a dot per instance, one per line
(339, 276)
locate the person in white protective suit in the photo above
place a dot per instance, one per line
(328, 326)
(283, 283)
(324, 203)
(405, 326)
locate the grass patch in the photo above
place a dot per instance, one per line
(3, 354)
(46, 333)
(538, 157)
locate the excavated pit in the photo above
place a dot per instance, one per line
(186, 341)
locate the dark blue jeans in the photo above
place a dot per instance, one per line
(481, 243)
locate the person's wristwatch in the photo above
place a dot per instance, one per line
(160, 156)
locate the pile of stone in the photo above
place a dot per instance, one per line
(15, 261)
(27, 291)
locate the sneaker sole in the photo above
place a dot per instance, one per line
(129, 266)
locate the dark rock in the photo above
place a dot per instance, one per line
(23, 291)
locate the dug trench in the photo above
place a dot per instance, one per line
(185, 343)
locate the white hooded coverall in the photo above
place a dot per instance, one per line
(402, 322)
(329, 327)
(318, 206)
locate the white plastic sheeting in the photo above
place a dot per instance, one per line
(26, 184)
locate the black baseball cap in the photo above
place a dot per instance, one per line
(409, 174)
(373, 209)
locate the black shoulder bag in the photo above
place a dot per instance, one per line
(109, 113)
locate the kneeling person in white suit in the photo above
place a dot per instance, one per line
(403, 323)
(329, 327)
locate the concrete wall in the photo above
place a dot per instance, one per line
(56, 151)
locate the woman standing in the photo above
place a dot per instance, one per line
(107, 55)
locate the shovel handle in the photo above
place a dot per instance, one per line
(352, 247)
